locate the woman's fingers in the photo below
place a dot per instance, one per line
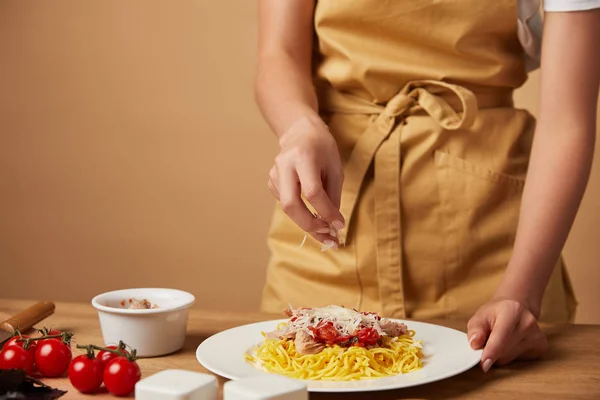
(514, 333)
(322, 233)
(273, 189)
(530, 347)
(311, 183)
(539, 345)
(500, 337)
(529, 342)
(478, 330)
(326, 239)
(292, 203)
(321, 230)
(334, 181)
(273, 182)
(308, 168)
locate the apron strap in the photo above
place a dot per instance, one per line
(416, 95)
(380, 145)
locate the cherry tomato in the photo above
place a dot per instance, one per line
(121, 375)
(326, 333)
(52, 358)
(14, 341)
(344, 340)
(105, 356)
(31, 349)
(368, 336)
(86, 373)
(18, 358)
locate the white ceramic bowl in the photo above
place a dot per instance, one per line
(152, 332)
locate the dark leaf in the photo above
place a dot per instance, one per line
(14, 384)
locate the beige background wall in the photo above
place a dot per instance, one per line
(132, 154)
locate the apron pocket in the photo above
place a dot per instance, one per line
(479, 210)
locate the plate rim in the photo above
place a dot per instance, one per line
(218, 371)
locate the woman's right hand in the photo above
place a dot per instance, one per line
(309, 164)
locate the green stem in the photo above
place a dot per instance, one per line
(65, 337)
(89, 348)
(118, 351)
(29, 340)
(40, 338)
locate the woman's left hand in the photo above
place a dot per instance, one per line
(507, 330)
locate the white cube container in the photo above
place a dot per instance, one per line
(266, 387)
(176, 384)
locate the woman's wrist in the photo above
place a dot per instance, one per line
(528, 294)
(307, 122)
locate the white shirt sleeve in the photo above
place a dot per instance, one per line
(570, 5)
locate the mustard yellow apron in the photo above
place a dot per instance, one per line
(418, 95)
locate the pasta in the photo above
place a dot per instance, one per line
(392, 355)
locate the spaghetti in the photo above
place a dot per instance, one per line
(342, 361)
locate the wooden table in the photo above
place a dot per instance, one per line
(571, 370)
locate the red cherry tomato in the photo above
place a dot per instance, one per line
(121, 375)
(52, 358)
(18, 358)
(86, 373)
(105, 356)
(368, 336)
(344, 340)
(14, 341)
(326, 333)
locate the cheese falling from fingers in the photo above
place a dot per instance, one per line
(332, 233)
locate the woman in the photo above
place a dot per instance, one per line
(397, 127)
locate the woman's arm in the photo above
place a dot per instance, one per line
(562, 152)
(559, 168)
(284, 89)
(308, 162)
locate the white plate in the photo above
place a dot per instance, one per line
(446, 353)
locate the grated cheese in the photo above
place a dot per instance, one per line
(345, 320)
(332, 233)
(325, 247)
(303, 241)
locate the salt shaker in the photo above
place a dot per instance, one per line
(177, 384)
(266, 387)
